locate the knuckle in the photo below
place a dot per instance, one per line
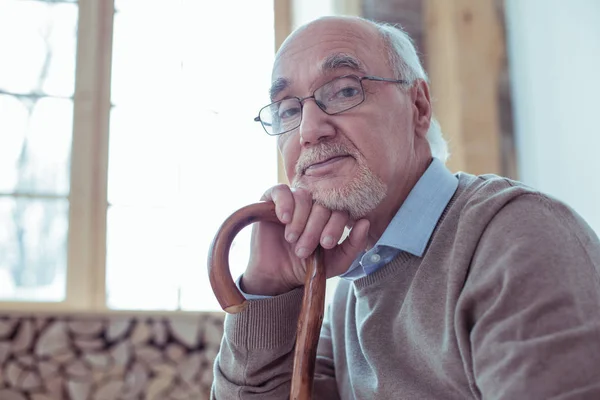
(273, 192)
(322, 211)
(309, 239)
(321, 208)
(280, 189)
(341, 216)
(303, 195)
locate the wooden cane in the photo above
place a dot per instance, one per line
(232, 301)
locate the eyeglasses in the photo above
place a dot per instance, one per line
(334, 97)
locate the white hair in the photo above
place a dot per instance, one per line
(404, 60)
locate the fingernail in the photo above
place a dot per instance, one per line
(291, 237)
(285, 218)
(302, 252)
(327, 241)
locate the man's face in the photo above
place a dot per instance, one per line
(353, 160)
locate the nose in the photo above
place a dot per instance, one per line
(314, 126)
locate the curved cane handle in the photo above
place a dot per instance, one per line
(232, 301)
(226, 292)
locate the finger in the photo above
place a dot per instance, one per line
(283, 198)
(347, 251)
(310, 237)
(302, 206)
(334, 229)
(357, 240)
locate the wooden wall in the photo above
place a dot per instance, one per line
(461, 43)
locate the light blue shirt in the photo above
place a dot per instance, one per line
(412, 226)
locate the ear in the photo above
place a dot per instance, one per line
(421, 107)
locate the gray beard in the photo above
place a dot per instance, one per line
(358, 197)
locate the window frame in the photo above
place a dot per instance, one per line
(86, 243)
(88, 204)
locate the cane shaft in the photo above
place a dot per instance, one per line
(309, 328)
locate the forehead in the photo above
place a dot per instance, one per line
(304, 57)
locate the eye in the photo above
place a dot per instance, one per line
(286, 113)
(288, 109)
(348, 91)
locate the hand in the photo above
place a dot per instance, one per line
(277, 251)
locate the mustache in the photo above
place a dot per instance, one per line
(321, 153)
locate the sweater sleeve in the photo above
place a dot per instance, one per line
(531, 304)
(255, 360)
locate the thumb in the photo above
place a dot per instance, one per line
(345, 253)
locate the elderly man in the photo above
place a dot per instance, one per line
(453, 286)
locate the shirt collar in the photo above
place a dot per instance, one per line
(412, 226)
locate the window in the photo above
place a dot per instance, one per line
(184, 149)
(87, 222)
(37, 44)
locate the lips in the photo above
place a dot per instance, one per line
(318, 156)
(324, 162)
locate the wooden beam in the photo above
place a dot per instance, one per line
(86, 278)
(464, 48)
(283, 27)
(283, 21)
(348, 7)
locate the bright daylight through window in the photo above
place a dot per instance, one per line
(37, 75)
(188, 78)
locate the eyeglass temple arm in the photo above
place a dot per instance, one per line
(377, 78)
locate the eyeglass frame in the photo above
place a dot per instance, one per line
(302, 99)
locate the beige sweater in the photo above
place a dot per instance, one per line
(504, 304)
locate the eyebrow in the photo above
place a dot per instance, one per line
(336, 61)
(332, 63)
(278, 86)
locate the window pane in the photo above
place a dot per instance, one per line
(35, 145)
(37, 43)
(33, 249)
(159, 257)
(146, 60)
(184, 150)
(142, 270)
(143, 147)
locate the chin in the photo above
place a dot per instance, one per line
(358, 196)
